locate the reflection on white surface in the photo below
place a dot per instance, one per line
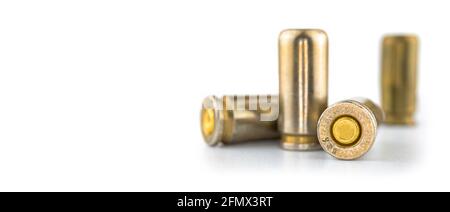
(396, 144)
(395, 149)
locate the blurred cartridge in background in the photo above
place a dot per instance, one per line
(303, 75)
(347, 129)
(235, 119)
(399, 78)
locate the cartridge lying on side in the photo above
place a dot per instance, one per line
(347, 129)
(399, 78)
(236, 119)
(303, 75)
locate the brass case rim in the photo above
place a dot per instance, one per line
(300, 142)
(213, 102)
(358, 111)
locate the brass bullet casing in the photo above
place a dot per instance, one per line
(399, 78)
(347, 129)
(303, 75)
(235, 119)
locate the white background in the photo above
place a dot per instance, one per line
(105, 95)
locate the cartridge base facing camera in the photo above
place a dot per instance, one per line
(236, 119)
(347, 130)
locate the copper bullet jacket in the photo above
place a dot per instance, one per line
(303, 86)
(399, 78)
(236, 119)
(347, 129)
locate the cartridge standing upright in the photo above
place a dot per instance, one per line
(303, 75)
(399, 78)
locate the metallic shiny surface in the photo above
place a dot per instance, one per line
(399, 78)
(208, 122)
(303, 75)
(235, 119)
(362, 112)
(346, 130)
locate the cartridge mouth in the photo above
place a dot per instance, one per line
(347, 130)
(400, 37)
(211, 120)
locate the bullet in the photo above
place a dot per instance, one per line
(399, 78)
(347, 129)
(236, 119)
(303, 75)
